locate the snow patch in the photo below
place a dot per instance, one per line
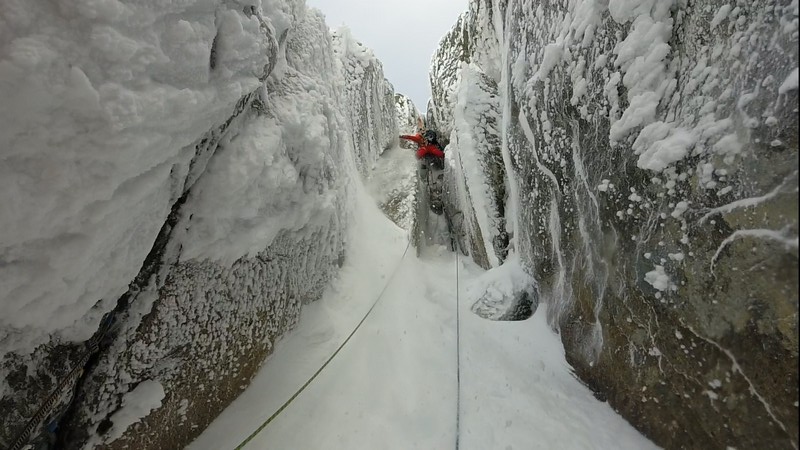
(721, 15)
(500, 289)
(605, 185)
(680, 208)
(136, 405)
(552, 55)
(791, 82)
(661, 144)
(658, 278)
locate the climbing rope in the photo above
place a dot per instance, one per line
(302, 388)
(458, 358)
(46, 408)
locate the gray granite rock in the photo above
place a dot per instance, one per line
(652, 160)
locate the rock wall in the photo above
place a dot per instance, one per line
(466, 108)
(190, 197)
(392, 182)
(652, 156)
(476, 181)
(408, 116)
(370, 99)
(453, 49)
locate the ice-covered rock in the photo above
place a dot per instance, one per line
(176, 182)
(408, 116)
(631, 132)
(370, 100)
(476, 186)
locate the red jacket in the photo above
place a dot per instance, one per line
(425, 148)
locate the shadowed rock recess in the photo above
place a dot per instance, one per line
(652, 157)
(252, 207)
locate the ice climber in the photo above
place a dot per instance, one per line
(431, 157)
(428, 148)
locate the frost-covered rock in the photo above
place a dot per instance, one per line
(505, 293)
(465, 109)
(176, 185)
(476, 185)
(392, 180)
(633, 132)
(370, 100)
(409, 119)
(472, 38)
(445, 63)
(408, 116)
(392, 185)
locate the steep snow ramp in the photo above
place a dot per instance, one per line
(477, 175)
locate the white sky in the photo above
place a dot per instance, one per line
(403, 33)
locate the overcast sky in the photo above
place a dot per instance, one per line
(403, 33)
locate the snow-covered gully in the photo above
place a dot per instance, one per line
(395, 384)
(214, 232)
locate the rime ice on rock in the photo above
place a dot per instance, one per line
(195, 164)
(650, 149)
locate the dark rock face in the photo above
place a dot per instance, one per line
(652, 153)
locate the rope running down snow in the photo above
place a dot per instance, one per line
(458, 359)
(302, 388)
(46, 408)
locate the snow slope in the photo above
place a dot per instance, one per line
(394, 385)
